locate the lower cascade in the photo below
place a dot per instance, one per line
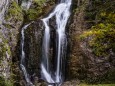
(22, 60)
(55, 75)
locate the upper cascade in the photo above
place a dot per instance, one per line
(61, 14)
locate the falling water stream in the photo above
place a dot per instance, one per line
(22, 61)
(61, 13)
(26, 4)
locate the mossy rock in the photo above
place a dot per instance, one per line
(2, 81)
(111, 76)
(4, 46)
(15, 13)
(5, 83)
(35, 10)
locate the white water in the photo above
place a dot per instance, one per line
(22, 62)
(62, 13)
(26, 4)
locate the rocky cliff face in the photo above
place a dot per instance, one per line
(82, 62)
(12, 19)
(33, 41)
(9, 29)
(77, 56)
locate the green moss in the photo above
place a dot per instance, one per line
(39, 2)
(4, 47)
(5, 83)
(2, 81)
(102, 39)
(106, 79)
(101, 36)
(96, 85)
(14, 12)
(35, 11)
(110, 77)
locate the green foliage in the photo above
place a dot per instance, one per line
(5, 83)
(110, 78)
(35, 10)
(98, 7)
(39, 2)
(14, 12)
(96, 85)
(2, 81)
(103, 38)
(102, 34)
(3, 48)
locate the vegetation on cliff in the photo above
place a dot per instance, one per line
(92, 41)
(102, 33)
(92, 35)
(35, 10)
(100, 36)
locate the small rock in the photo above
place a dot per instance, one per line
(0, 40)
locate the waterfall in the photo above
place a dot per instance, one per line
(61, 13)
(22, 61)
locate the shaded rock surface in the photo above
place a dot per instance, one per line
(83, 63)
(33, 41)
(9, 29)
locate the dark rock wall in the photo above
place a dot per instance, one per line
(83, 64)
(76, 59)
(33, 41)
(9, 31)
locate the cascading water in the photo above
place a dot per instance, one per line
(25, 5)
(22, 61)
(61, 13)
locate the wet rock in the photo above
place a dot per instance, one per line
(32, 48)
(71, 83)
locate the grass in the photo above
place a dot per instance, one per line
(97, 85)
